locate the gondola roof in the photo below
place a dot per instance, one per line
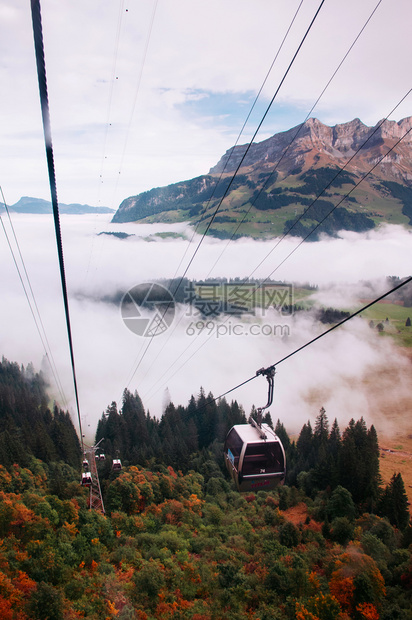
(249, 434)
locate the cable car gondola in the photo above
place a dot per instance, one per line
(87, 479)
(85, 464)
(116, 465)
(254, 454)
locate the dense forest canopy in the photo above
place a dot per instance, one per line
(177, 541)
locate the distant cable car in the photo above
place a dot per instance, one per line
(116, 465)
(85, 464)
(254, 454)
(86, 479)
(102, 457)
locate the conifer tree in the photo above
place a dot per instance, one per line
(305, 440)
(334, 445)
(335, 439)
(304, 446)
(321, 432)
(373, 478)
(353, 454)
(136, 433)
(394, 503)
(281, 432)
(322, 458)
(206, 418)
(267, 419)
(223, 419)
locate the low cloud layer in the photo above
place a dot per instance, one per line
(350, 372)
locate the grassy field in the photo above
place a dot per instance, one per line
(387, 390)
(396, 456)
(389, 394)
(393, 318)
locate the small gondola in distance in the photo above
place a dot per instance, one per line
(116, 465)
(86, 480)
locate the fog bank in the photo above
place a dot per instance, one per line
(351, 372)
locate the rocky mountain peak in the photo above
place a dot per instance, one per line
(337, 142)
(303, 172)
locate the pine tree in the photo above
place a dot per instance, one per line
(223, 419)
(359, 463)
(304, 446)
(280, 431)
(321, 432)
(333, 449)
(373, 478)
(334, 439)
(191, 437)
(394, 503)
(267, 419)
(135, 423)
(305, 440)
(348, 460)
(206, 418)
(323, 465)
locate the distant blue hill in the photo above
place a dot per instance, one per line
(39, 206)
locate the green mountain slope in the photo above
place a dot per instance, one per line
(287, 178)
(39, 206)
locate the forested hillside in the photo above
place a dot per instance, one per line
(177, 541)
(28, 426)
(191, 439)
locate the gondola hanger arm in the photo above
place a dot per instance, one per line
(269, 373)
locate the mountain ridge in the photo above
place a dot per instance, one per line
(39, 206)
(302, 174)
(339, 141)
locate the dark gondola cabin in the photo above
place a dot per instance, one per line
(86, 465)
(255, 458)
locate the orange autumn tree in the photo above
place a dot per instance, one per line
(367, 611)
(319, 607)
(356, 578)
(136, 489)
(13, 596)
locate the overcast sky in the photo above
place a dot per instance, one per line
(147, 93)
